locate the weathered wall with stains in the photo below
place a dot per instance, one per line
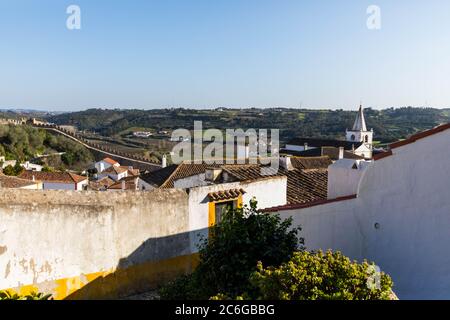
(92, 244)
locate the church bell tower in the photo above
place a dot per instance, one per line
(359, 133)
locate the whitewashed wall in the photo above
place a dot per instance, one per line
(58, 186)
(343, 180)
(82, 184)
(269, 192)
(51, 235)
(408, 195)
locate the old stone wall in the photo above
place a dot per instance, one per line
(92, 244)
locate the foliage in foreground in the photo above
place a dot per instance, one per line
(232, 260)
(231, 255)
(318, 276)
(6, 295)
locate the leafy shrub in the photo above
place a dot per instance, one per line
(13, 170)
(319, 276)
(230, 255)
(6, 295)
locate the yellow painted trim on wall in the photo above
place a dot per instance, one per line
(239, 201)
(212, 210)
(211, 214)
(116, 283)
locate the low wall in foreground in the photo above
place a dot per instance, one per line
(90, 245)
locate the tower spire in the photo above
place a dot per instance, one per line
(360, 122)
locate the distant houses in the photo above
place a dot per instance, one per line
(111, 176)
(26, 165)
(57, 180)
(104, 164)
(142, 134)
(10, 182)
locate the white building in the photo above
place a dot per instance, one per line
(31, 166)
(118, 172)
(105, 164)
(126, 184)
(142, 134)
(344, 176)
(57, 180)
(359, 133)
(398, 217)
(214, 188)
(358, 141)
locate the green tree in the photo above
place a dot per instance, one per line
(228, 258)
(9, 170)
(47, 169)
(68, 158)
(319, 276)
(18, 169)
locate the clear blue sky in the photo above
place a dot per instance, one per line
(224, 53)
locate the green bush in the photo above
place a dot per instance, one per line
(319, 276)
(231, 254)
(6, 295)
(13, 170)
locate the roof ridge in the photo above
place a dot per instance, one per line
(171, 175)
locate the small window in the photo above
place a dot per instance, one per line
(353, 137)
(367, 139)
(223, 207)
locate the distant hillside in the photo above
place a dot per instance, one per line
(389, 124)
(25, 143)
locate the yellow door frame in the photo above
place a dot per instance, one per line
(212, 209)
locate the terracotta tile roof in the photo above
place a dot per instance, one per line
(382, 155)
(419, 136)
(311, 162)
(226, 194)
(159, 177)
(60, 177)
(309, 204)
(307, 182)
(14, 182)
(115, 170)
(133, 172)
(101, 184)
(164, 178)
(305, 186)
(129, 185)
(110, 161)
(248, 172)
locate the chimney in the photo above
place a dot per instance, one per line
(306, 146)
(286, 163)
(211, 174)
(33, 178)
(123, 185)
(164, 161)
(341, 153)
